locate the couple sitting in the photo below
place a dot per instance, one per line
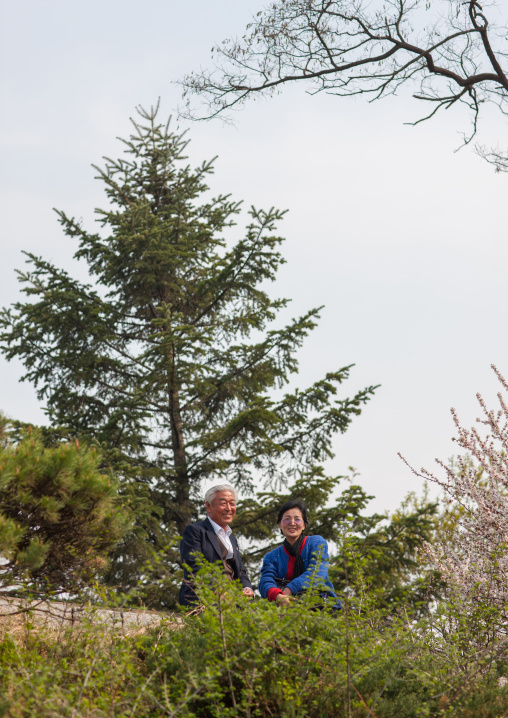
(286, 570)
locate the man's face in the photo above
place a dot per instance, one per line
(222, 510)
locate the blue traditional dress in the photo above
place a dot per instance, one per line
(278, 564)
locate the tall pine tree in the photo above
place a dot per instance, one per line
(173, 361)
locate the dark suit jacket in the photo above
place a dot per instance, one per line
(201, 538)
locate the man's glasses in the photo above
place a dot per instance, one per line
(286, 522)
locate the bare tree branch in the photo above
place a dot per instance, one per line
(446, 50)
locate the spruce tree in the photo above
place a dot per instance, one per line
(172, 358)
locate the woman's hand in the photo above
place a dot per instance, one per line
(283, 599)
(248, 592)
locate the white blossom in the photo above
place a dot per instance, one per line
(476, 564)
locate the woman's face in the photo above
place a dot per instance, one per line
(292, 524)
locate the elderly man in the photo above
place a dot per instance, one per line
(214, 540)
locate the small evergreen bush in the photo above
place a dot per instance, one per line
(59, 516)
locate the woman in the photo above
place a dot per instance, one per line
(287, 570)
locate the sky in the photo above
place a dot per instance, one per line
(402, 238)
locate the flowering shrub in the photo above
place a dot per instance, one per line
(476, 563)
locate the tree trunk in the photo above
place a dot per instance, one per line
(183, 507)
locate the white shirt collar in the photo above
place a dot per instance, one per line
(218, 528)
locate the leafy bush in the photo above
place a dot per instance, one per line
(236, 658)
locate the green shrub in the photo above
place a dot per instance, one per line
(238, 658)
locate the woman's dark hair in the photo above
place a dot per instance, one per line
(293, 504)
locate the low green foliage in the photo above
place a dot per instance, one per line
(236, 657)
(85, 671)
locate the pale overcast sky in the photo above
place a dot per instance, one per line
(403, 240)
